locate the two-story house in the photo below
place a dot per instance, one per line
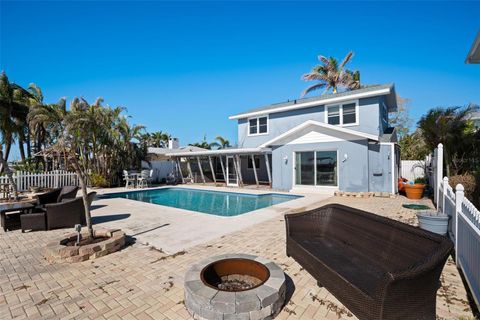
(331, 142)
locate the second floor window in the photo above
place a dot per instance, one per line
(343, 114)
(258, 125)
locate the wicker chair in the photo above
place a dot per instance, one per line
(377, 267)
(57, 195)
(65, 214)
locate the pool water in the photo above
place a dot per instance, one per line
(225, 204)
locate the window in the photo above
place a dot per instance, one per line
(250, 164)
(316, 168)
(349, 114)
(345, 114)
(258, 126)
(333, 115)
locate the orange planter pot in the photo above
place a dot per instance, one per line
(414, 191)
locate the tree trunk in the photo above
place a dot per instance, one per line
(8, 146)
(4, 167)
(21, 148)
(28, 144)
(83, 186)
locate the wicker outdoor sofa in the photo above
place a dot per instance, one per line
(377, 267)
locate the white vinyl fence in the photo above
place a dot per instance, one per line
(464, 223)
(50, 179)
(413, 169)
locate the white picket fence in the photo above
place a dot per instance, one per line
(50, 179)
(464, 223)
(413, 169)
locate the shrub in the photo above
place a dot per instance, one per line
(97, 180)
(420, 180)
(467, 180)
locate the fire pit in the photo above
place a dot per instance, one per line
(239, 286)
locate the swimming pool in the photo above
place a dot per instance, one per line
(225, 204)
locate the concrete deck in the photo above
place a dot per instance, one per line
(173, 229)
(143, 282)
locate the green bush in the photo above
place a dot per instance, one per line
(420, 180)
(98, 181)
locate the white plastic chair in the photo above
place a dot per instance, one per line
(129, 181)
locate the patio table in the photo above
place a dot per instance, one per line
(135, 176)
(21, 207)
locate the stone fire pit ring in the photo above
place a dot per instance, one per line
(263, 301)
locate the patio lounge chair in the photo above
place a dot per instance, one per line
(377, 267)
(65, 214)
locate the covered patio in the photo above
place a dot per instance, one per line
(231, 167)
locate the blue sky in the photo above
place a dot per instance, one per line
(184, 67)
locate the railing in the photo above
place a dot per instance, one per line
(51, 179)
(464, 230)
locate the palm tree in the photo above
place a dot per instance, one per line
(13, 113)
(332, 76)
(220, 143)
(451, 127)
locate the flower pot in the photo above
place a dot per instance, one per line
(414, 191)
(431, 221)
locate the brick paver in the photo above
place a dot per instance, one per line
(142, 282)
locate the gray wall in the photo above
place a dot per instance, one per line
(369, 122)
(380, 165)
(353, 173)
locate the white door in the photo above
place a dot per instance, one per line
(231, 172)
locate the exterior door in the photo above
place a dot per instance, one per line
(231, 172)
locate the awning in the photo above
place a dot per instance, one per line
(221, 152)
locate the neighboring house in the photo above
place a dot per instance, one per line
(331, 142)
(163, 165)
(474, 54)
(475, 117)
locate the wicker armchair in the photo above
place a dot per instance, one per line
(65, 214)
(378, 268)
(57, 195)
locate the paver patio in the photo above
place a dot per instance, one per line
(142, 282)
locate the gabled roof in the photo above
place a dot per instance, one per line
(474, 54)
(387, 90)
(325, 127)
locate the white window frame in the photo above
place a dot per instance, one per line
(258, 126)
(340, 111)
(315, 186)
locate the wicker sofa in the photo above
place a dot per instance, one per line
(65, 214)
(377, 267)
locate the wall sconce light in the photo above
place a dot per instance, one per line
(345, 157)
(285, 159)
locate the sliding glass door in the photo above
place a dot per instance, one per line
(316, 168)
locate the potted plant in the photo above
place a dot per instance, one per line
(434, 221)
(415, 190)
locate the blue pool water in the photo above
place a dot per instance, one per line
(226, 204)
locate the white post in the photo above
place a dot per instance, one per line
(267, 165)
(254, 169)
(180, 169)
(213, 170)
(239, 171)
(439, 171)
(459, 195)
(201, 170)
(223, 169)
(444, 194)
